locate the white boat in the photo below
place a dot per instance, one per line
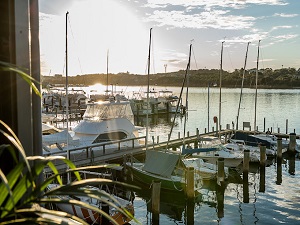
(239, 148)
(210, 149)
(103, 122)
(166, 167)
(207, 171)
(89, 215)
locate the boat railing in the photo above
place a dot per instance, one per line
(90, 153)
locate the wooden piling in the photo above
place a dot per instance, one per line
(292, 143)
(279, 148)
(262, 155)
(190, 183)
(155, 199)
(245, 176)
(246, 161)
(262, 168)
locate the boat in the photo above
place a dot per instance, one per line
(210, 149)
(240, 147)
(207, 171)
(166, 167)
(102, 123)
(89, 215)
(255, 140)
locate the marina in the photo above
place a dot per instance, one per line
(261, 200)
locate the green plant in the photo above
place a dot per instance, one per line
(22, 198)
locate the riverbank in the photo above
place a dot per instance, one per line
(266, 79)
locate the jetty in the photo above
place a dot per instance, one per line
(91, 155)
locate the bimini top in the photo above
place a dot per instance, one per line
(100, 111)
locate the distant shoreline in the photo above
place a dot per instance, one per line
(267, 79)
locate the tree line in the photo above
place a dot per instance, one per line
(266, 78)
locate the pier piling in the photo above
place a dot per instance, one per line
(262, 168)
(155, 201)
(245, 176)
(279, 148)
(190, 183)
(292, 143)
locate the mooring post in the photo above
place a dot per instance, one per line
(262, 155)
(262, 168)
(205, 130)
(286, 125)
(292, 143)
(157, 139)
(246, 161)
(221, 173)
(188, 134)
(245, 176)
(264, 124)
(155, 201)
(279, 160)
(190, 183)
(279, 148)
(178, 135)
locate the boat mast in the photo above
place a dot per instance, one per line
(238, 114)
(220, 97)
(148, 84)
(180, 98)
(107, 72)
(256, 85)
(187, 88)
(208, 107)
(67, 95)
(67, 83)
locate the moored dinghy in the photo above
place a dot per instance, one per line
(91, 216)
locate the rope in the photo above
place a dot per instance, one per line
(75, 43)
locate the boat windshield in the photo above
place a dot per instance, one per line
(108, 110)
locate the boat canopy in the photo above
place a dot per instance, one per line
(99, 111)
(160, 163)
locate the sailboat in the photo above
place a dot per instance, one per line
(164, 166)
(254, 140)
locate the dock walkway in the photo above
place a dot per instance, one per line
(90, 156)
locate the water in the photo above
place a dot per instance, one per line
(273, 201)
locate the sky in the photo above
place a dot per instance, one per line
(113, 35)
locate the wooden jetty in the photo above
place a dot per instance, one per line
(90, 156)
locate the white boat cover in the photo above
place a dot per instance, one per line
(160, 163)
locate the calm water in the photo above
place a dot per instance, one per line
(275, 201)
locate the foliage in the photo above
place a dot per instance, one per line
(21, 196)
(23, 192)
(267, 78)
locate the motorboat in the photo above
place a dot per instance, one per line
(90, 216)
(103, 123)
(207, 171)
(210, 149)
